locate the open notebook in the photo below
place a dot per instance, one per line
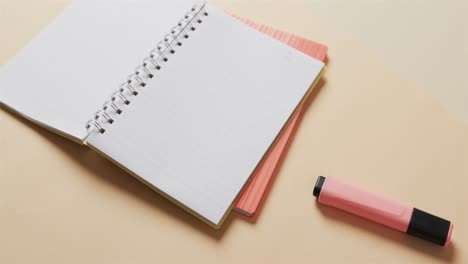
(198, 112)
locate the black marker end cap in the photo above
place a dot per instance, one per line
(430, 227)
(318, 186)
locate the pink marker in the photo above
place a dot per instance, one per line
(413, 221)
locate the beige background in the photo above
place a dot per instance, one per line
(385, 118)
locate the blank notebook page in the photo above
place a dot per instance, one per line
(68, 71)
(198, 129)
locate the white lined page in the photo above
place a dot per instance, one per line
(193, 131)
(71, 68)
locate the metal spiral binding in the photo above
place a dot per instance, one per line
(146, 71)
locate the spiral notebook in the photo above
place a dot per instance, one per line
(198, 112)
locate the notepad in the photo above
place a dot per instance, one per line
(183, 97)
(251, 197)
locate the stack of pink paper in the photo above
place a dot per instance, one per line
(252, 195)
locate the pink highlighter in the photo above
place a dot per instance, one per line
(332, 192)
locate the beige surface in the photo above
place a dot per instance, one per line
(424, 41)
(62, 203)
